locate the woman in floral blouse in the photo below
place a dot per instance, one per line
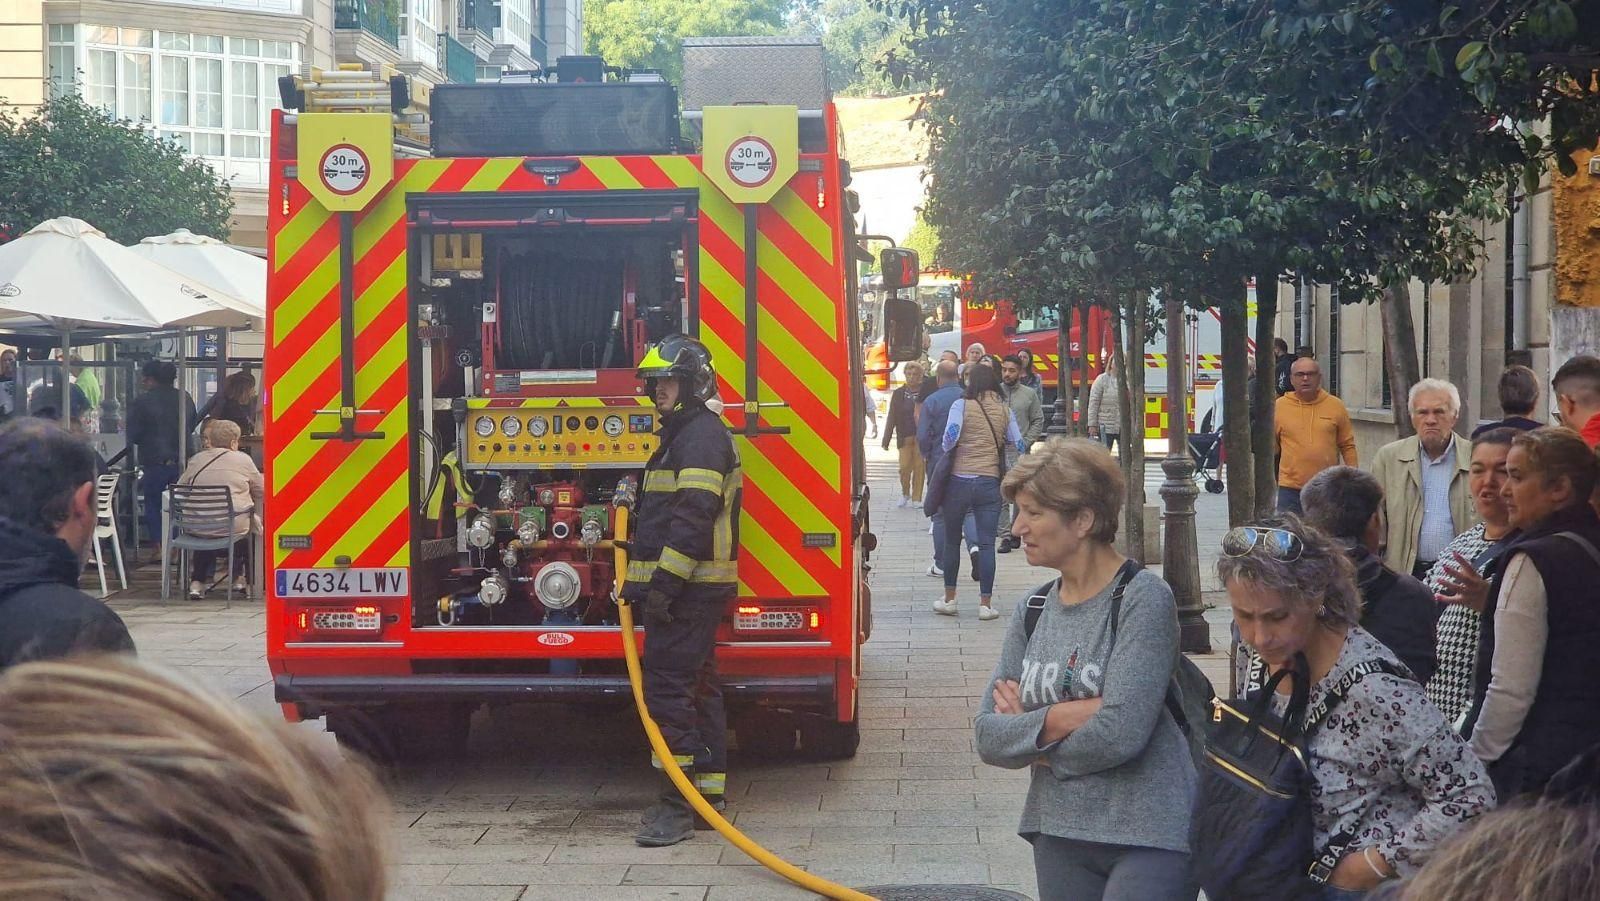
(1389, 770)
(1461, 577)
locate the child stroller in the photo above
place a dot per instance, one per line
(1205, 447)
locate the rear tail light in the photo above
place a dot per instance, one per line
(363, 618)
(756, 618)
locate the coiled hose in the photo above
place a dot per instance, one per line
(773, 862)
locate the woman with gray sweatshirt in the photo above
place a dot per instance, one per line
(1082, 700)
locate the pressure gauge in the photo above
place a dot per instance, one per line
(537, 426)
(484, 426)
(547, 496)
(613, 426)
(512, 426)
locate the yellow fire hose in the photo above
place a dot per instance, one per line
(691, 794)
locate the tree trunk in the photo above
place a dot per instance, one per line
(1133, 419)
(1263, 441)
(1061, 413)
(1400, 340)
(1236, 406)
(1120, 357)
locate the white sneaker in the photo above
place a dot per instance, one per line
(986, 612)
(241, 584)
(904, 502)
(196, 591)
(935, 571)
(944, 608)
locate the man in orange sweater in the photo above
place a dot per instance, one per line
(1312, 431)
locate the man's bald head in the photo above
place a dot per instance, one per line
(947, 372)
(1306, 377)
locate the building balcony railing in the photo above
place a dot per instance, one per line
(459, 63)
(479, 15)
(371, 16)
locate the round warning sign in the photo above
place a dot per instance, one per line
(344, 169)
(751, 161)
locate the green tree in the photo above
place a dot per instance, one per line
(648, 34)
(72, 159)
(924, 239)
(859, 39)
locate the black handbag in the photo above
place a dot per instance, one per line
(1251, 831)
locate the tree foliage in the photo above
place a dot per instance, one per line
(72, 159)
(925, 241)
(859, 38)
(649, 33)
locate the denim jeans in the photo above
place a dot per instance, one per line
(981, 498)
(157, 476)
(969, 530)
(1289, 500)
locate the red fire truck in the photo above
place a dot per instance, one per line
(453, 420)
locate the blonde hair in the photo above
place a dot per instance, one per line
(1544, 851)
(121, 781)
(1070, 475)
(222, 432)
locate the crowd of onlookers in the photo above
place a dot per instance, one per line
(1434, 617)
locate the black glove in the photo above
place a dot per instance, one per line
(657, 607)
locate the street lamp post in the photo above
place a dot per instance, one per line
(1180, 558)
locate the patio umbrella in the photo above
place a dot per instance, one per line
(67, 272)
(210, 262)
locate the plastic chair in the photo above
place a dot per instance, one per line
(195, 511)
(105, 526)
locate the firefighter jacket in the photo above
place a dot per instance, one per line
(686, 543)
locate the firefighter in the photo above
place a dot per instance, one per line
(682, 572)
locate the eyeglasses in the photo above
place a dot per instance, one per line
(1280, 544)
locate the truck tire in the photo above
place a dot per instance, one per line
(403, 733)
(823, 738)
(766, 734)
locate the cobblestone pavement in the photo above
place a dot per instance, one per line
(542, 806)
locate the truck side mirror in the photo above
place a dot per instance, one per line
(902, 329)
(900, 268)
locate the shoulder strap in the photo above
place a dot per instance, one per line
(1337, 692)
(190, 480)
(1125, 574)
(1582, 542)
(1036, 602)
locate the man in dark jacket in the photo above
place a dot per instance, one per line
(683, 572)
(47, 522)
(935, 415)
(1396, 608)
(153, 427)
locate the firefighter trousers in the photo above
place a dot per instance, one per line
(683, 692)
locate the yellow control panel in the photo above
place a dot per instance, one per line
(556, 433)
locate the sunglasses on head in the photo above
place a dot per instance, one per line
(1279, 544)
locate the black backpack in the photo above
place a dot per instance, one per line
(1251, 832)
(1189, 695)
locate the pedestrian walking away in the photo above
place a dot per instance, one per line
(1537, 679)
(47, 519)
(1576, 388)
(1313, 432)
(153, 429)
(1080, 697)
(869, 410)
(1392, 779)
(1424, 478)
(1460, 580)
(682, 571)
(900, 425)
(1105, 405)
(1396, 608)
(979, 430)
(1028, 410)
(1519, 396)
(931, 422)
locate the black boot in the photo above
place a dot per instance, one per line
(668, 821)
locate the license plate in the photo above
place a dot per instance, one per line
(391, 581)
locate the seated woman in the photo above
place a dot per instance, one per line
(120, 781)
(1391, 774)
(1080, 697)
(222, 463)
(1537, 688)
